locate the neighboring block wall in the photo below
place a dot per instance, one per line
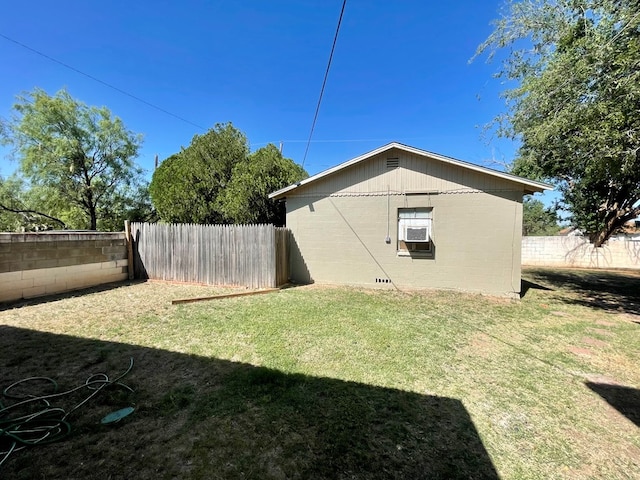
(619, 252)
(37, 264)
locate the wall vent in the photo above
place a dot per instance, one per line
(393, 162)
(383, 280)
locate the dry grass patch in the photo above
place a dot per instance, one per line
(100, 312)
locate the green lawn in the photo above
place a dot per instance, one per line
(321, 382)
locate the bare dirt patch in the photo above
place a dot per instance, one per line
(480, 345)
(582, 352)
(632, 317)
(634, 452)
(594, 342)
(598, 378)
(602, 331)
(605, 323)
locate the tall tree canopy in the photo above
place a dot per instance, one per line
(538, 220)
(79, 160)
(216, 180)
(575, 107)
(246, 198)
(185, 187)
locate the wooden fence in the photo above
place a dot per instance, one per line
(255, 256)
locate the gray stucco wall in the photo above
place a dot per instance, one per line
(341, 240)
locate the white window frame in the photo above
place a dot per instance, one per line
(416, 218)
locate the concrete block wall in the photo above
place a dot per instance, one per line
(342, 240)
(38, 264)
(619, 252)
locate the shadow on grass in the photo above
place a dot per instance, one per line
(624, 399)
(525, 286)
(607, 290)
(59, 296)
(199, 417)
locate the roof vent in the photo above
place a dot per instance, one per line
(393, 162)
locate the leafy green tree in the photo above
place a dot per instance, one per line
(132, 203)
(246, 198)
(186, 187)
(17, 211)
(78, 159)
(538, 220)
(575, 64)
(170, 192)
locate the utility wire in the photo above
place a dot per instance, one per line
(621, 30)
(95, 79)
(324, 82)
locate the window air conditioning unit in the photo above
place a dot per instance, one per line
(416, 234)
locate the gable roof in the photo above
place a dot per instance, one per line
(530, 186)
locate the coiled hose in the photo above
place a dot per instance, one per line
(33, 420)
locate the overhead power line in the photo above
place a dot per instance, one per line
(622, 30)
(95, 79)
(324, 82)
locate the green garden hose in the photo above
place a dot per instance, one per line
(33, 420)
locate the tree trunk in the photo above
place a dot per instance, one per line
(615, 220)
(599, 238)
(94, 218)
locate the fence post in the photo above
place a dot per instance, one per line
(127, 236)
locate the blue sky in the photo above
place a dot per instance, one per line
(400, 72)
